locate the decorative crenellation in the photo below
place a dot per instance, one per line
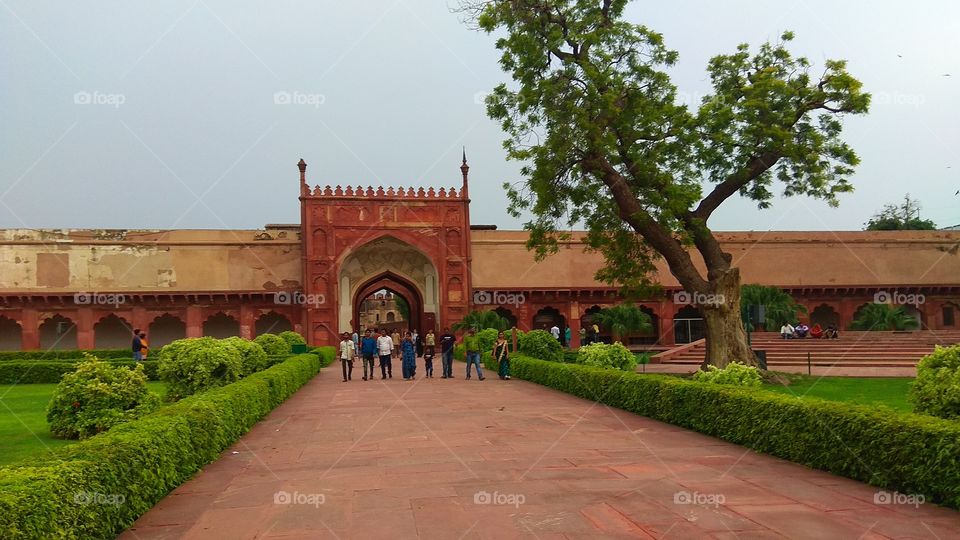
(380, 192)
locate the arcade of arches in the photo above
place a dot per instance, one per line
(353, 243)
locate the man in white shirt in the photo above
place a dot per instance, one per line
(347, 351)
(556, 332)
(786, 331)
(385, 351)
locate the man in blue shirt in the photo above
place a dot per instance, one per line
(137, 346)
(368, 350)
(447, 342)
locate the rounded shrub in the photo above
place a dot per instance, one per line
(96, 397)
(602, 355)
(486, 338)
(734, 373)
(292, 338)
(252, 354)
(936, 390)
(196, 364)
(541, 344)
(273, 344)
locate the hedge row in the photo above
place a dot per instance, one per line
(136, 464)
(38, 371)
(909, 453)
(72, 354)
(327, 354)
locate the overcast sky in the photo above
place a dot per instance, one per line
(193, 114)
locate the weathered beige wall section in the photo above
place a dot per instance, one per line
(786, 259)
(53, 261)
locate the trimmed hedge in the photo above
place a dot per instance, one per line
(138, 463)
(910, 453)
(69, 354)
(327, 354)
(42, 372)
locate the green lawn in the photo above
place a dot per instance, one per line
(23, 420)
(889, 391)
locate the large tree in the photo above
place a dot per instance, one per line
(900, 217)
(605, 142)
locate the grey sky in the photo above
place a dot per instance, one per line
(387, 93)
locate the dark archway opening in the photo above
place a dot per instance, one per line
(824, 315)
(549, 318)
(112, 332)
(688, 325)
(11, 334)
(165, 329)
(58, 332)
(508, 315)
(271, 323)
(221, 326)
(389, 301)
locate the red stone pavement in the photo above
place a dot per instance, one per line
(457, 459)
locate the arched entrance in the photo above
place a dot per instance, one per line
(271, 323)
(388, 264)
(392, 292)
(165, 329)
(112, 332)
(11, 334)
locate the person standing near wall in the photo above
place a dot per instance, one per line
(447, 342)
(137, 346)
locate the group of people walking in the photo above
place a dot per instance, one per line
(380, 345)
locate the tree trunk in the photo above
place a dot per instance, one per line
(725, 335)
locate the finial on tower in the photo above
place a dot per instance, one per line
(302, 165)
(465, 169)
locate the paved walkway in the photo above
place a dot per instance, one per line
(507, 459)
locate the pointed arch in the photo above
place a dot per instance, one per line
(112, 332)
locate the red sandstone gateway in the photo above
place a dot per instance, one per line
(72, 289)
